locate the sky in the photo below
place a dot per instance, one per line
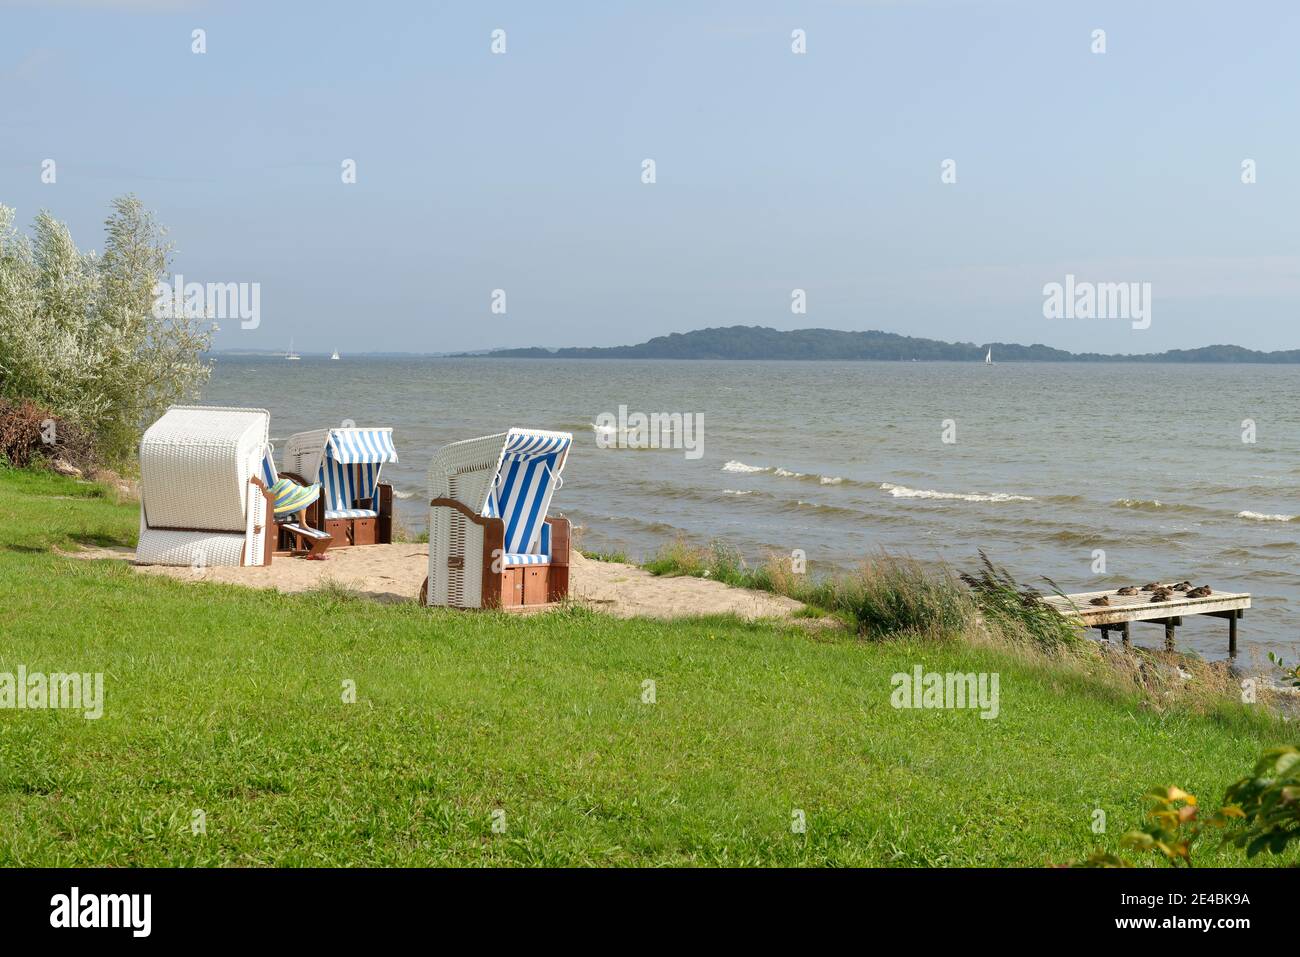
(823, 171)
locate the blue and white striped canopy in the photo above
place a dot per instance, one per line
(522, 444)
(361, 446)
(350, 469)
(521, 493)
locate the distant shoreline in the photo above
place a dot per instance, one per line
(739, 343)
(1148, 359)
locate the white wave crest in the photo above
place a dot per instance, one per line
(902, 491)
(781, 472)
(1261, 517)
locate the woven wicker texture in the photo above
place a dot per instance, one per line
(195, 464)
(197, 503)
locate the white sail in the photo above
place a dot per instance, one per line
(291, 355)
(335, 355)
(988, 359)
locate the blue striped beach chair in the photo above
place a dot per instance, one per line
(356, 507)
(491, 542)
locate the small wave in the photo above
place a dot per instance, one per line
(658, 528)
(902, 491)
(736, 491)
(611, 437)
(1142, 504)
(1070, 537)
(735, 466)
(839, 512)
(1261, 517)
(1155, 505)
(400, 494)
(631, 434)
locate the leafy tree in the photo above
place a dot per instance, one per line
(78, 333)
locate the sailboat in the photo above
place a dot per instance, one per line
(988, 358)
(335, 356)
(291, 355)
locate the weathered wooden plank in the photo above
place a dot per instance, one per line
(1125, 608)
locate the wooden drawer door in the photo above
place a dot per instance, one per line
(534, 584)
(512, 587)
(364, 531)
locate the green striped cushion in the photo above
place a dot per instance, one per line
(291, 497)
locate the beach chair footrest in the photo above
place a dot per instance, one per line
(305, 539)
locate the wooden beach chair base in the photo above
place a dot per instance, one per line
(515, 587)
(515, 602)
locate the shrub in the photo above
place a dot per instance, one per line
(898, 596)
(1290, 673)
(1269, 802)
(29, 433)
(1266, 802)
(78, 334)
(1171, 829)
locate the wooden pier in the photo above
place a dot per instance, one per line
(1123, 610)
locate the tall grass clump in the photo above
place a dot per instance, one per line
(78, 332)
(1016, 612)
(886, 596)
(892, 596)
(618, 557)
(717, 560)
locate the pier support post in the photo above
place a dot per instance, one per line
(1169, 634)
(1123, 630)
(1232, 634)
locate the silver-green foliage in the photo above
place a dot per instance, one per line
(78, 333)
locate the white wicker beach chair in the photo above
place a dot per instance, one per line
(491, 543)
(355, 507)
(204, 475)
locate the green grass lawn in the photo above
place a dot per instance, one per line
(230, 701)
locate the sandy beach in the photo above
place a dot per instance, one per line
(394, 573)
